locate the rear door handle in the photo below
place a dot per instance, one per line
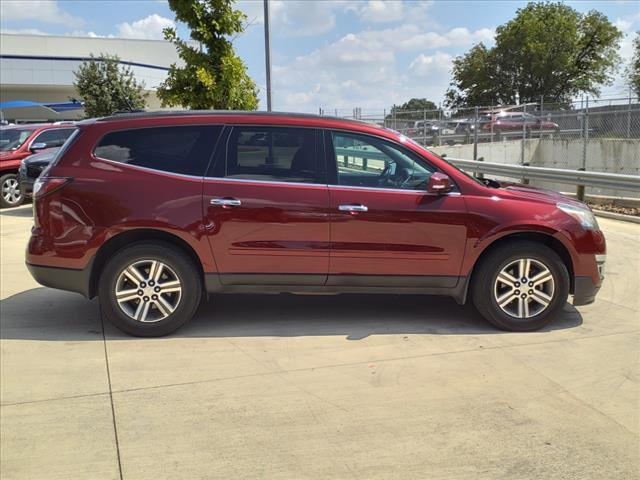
(226, 202)
(353, 208)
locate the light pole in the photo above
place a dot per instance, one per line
(267, 53)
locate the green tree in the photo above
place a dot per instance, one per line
(414, 110)
(213, 76)
(547, 49)
(633, 72)
(106, 86)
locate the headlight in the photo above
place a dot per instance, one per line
(583, 215)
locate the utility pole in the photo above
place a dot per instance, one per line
(267, 53)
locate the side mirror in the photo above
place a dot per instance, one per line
(38, 146)
(439, 183)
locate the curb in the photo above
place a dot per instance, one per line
(617, 216)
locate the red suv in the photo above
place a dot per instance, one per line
(152, 211)
(17, 143)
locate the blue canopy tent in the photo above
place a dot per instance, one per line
(56, 107)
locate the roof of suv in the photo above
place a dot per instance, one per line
(220, 113)
(164, 117)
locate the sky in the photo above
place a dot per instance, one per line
(330, 54)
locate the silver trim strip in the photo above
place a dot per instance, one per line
(147, 169)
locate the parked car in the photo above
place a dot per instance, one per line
(32, 166)
(18, 142)
(152, 211)
(515, 121)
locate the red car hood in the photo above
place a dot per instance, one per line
(7, 155)
(538, 194)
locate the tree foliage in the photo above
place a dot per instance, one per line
(633, 72)
(213, 76)
(547, 49)
(414, 110)
(106, 86)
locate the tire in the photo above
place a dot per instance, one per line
(167, 309)
(11, 195)
(518, 314)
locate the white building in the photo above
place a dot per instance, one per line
(40, 68)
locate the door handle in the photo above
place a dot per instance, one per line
(353, 208)
(226, 202)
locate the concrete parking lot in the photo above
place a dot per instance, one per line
(286, 387)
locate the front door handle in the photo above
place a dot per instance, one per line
(226, 202)
(353, 208)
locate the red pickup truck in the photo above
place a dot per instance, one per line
(18, 142)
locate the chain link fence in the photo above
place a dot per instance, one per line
(601, 135)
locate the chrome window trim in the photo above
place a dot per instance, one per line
(268, 182)
(328, 185)
(147, 169)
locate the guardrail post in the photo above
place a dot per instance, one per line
(525, 180)
(480, 175)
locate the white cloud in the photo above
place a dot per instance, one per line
(149, 28)
(46, 11)
(24, 31)
(431, 65)
(369, 68)
(626, 25)
(379, 11)
(294, 17)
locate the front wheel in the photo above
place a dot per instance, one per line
(11, 195)
(520, 286)
(149, 289)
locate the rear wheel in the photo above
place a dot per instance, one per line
(11, 195)
(520, 286)
(149, 289)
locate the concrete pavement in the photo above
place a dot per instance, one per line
(286, 387)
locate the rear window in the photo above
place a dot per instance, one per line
(185, 150)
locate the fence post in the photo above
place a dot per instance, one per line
(629, 116)
(424, 127)
(475, 135)
(585, 141)
(384, 118)
(524, 133)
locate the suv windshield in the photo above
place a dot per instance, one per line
(13, 138)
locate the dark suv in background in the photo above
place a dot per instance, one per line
(152, 211)
(18, 142)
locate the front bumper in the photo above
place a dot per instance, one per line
(584, 288)
(26, 184)
(68, 279)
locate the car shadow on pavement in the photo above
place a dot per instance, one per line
(23, 211)
(47, 314)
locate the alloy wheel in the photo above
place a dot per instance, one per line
(148, 291)
(11, 191)
(524, 288)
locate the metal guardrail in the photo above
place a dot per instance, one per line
(572, 177)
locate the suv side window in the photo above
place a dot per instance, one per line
(184, 149)
(54, 137)
(364, 161)
(273, 154)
